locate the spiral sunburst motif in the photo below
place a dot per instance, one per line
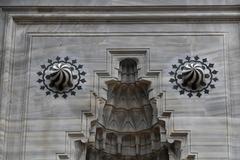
(193, 75)
(61, 76)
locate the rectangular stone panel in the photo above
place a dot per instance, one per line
(37, 125)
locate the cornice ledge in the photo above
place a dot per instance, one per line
(120, 8)
(123, 14)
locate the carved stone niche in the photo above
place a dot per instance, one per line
(127, 128)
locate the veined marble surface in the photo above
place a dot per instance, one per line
(35, 126)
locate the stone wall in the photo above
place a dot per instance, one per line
(38, 123)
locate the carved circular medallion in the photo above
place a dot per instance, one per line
(193, 76)
(61, 77)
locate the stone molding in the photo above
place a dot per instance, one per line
(131, 14)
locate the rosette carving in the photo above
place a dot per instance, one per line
(193, 75)
(61, 76)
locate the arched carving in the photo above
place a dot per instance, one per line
(128, 70)
(99, 138)
(129, 145)
(111, 143)
(145, 143)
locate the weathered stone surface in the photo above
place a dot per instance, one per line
(35, 126)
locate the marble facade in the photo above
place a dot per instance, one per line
(36, 124)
